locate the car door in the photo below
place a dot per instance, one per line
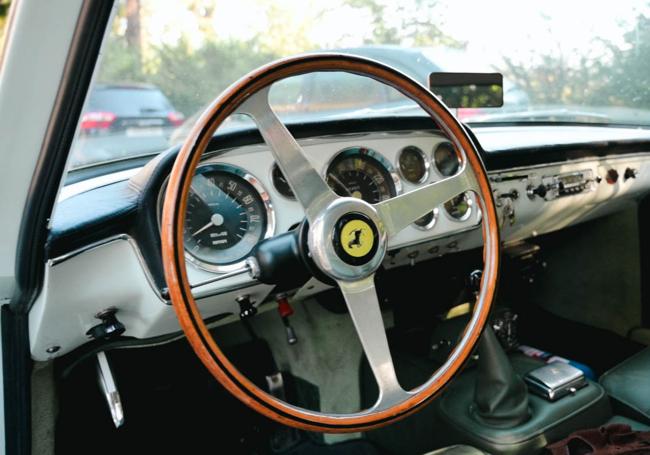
(49, 53)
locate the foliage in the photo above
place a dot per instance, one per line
(612, 75)
(120, 62)
(408, 22)
(190, 78)
(4, 11)
(629, 76)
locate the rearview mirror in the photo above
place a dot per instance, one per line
(462, 90)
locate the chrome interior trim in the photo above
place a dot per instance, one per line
(467, 215)
(431, 224)
(425, 159)
(245, 269)
(321, 239)
(270, 176)
(74, 189)
(433, 158)
(108, 386)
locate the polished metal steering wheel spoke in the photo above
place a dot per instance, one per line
(397, 213)
(313, 193)
(363, 305)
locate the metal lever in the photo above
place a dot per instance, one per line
(107, 384)
(285, 310)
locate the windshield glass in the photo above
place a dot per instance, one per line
(163, 62)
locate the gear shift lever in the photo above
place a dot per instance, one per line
(500, 396)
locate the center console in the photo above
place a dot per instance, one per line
(494, 411)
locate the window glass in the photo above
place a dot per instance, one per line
(164, 62)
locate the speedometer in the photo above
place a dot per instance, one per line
(228, 213)
(364, 174)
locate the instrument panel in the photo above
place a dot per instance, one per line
(531, 200)
(241, 197)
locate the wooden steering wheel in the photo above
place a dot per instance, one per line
(332, 219)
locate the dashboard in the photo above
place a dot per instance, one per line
(104, 247)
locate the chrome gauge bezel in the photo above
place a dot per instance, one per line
(268, 208)
(431, 224)
(435, 164)
(467, 215)
(275, 187)
(360, 151)
(425, 160)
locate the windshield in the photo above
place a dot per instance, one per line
(163, 62)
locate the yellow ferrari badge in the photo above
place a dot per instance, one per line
(357, 238)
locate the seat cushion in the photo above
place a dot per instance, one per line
(628, 384)
(457, 450)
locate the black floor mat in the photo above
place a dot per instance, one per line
(598, 348)
(171, 403)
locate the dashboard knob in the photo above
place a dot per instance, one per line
(540, 191)
(612, 176)
(630, 173)
(109, 328)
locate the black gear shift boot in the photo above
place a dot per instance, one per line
(500, 395)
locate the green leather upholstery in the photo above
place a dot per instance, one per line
(549, 422)
(628, 385)
(636, 426)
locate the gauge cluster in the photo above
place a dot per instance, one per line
(239, 198)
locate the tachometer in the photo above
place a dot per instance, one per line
(228, 213)
(362, 173)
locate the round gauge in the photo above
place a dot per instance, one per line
(460, 207)
(228, 213)
(446, 159)
(280, 182)
(427, 221)
(413, 164)
(362, 173)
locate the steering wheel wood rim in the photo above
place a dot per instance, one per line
(173, 253)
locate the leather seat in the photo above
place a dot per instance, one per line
(628, 384)
(457, 450)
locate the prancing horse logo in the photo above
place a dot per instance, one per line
(356, 240)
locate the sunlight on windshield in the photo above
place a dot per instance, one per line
(163, 62)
